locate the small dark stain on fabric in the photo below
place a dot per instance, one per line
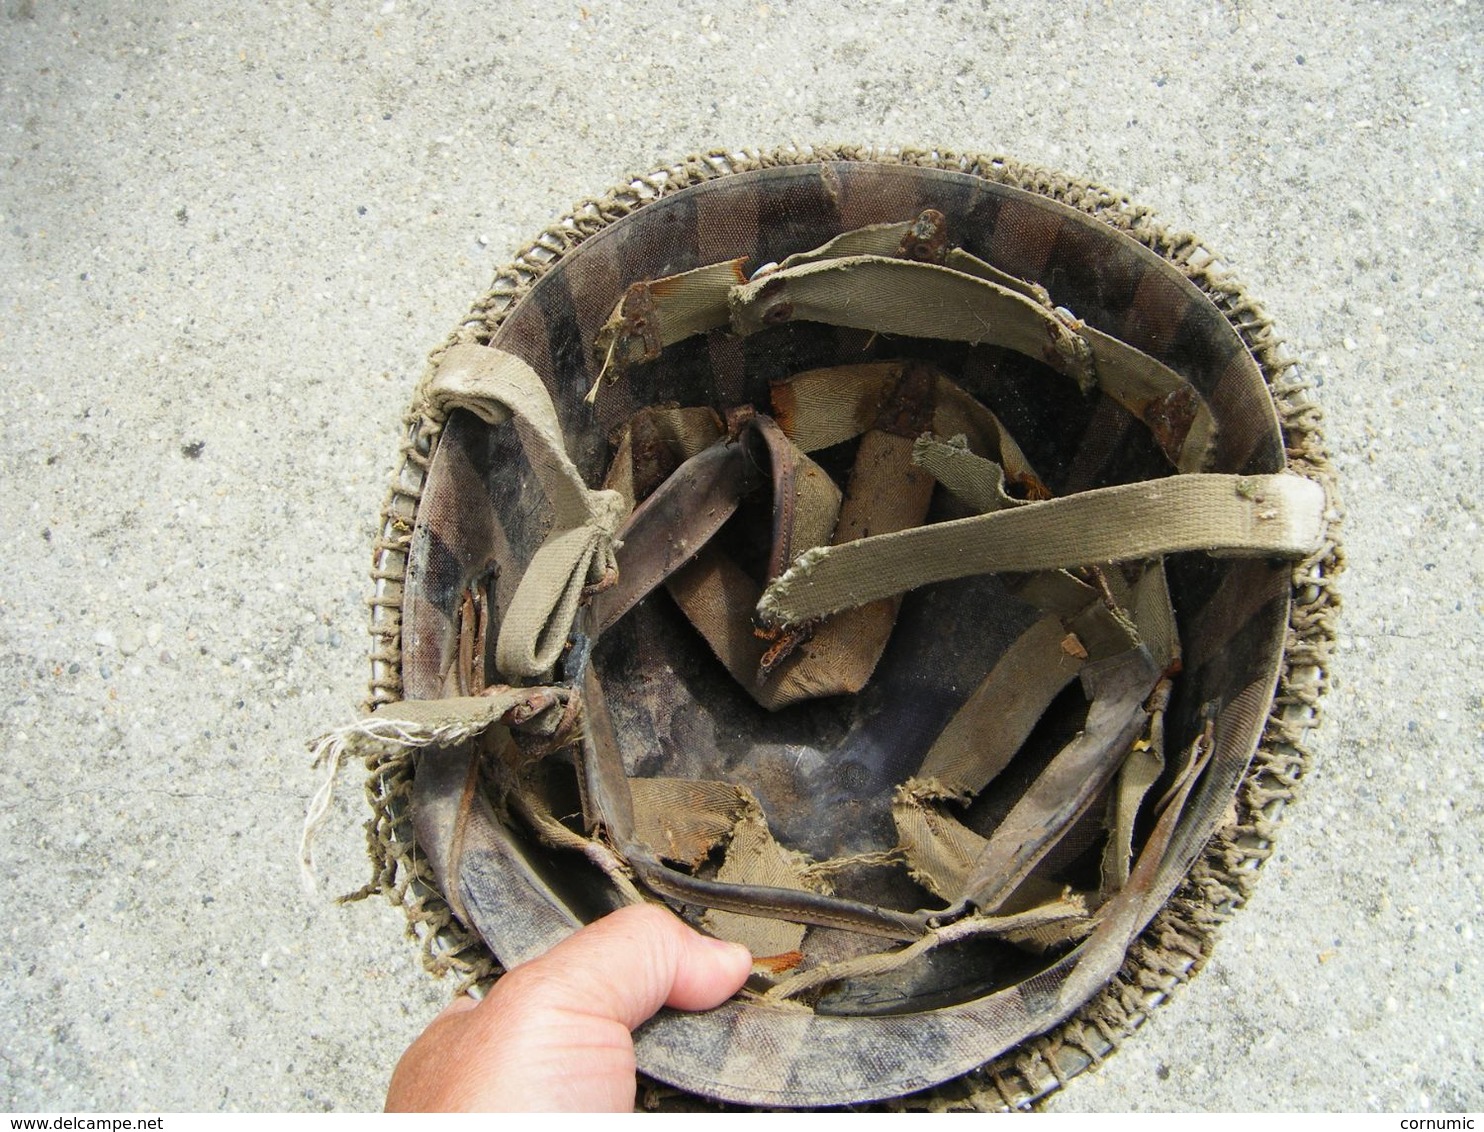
(193, 450)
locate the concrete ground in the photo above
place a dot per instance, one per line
(229, 234)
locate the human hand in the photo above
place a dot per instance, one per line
(553, 1035)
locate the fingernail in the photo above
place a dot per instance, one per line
(726, 945)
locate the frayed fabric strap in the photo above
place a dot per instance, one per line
(924, 240)
(1117, 689)
(608, 800)
(406, 725)
(820, 408)
(658, 313)
(904, 279)
(1279, 515)
(900, 296)
(499, 387)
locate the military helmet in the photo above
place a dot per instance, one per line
(916, 567)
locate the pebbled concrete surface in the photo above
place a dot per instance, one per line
(228, 236)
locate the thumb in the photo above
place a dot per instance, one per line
(627, 965)
(554, 1033)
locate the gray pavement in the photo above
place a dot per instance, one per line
(229, 234)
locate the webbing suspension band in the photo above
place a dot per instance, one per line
(855, 281)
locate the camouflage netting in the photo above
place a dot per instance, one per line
(1177, 942)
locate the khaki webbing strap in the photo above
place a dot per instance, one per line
(977, 744)
(820, 408)
(1149, 883)
(1062, 792)
(683, 819)
(925, 300)
(941, 851)
(879, 278)
(718, 597)
(1142, 613)
(924, 239)
(443, 722)
(993, 723)
(1140, 771)
(984, 734)
(539, 620)
(873, 239)
(755, 859)
(498, 387)
(657, 313)
(885, 493)
(1277, 515)
(977, 483)
(919, 300)
(1154, 614)
(403, 726)
(666, 540)
(1102, 623)
(1175, 414)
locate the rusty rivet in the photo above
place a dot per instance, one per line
(927, 240)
